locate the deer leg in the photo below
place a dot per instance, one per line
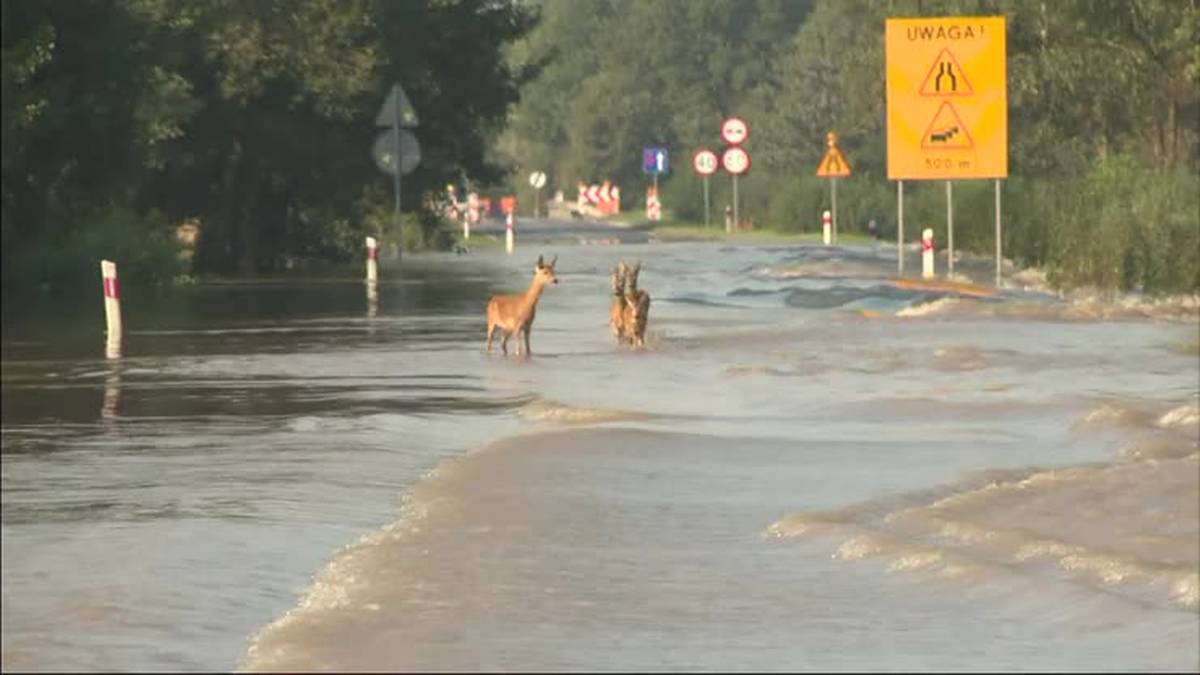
(527, 351)
(491, 332)
(504, 342)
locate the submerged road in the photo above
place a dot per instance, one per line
(563, 230)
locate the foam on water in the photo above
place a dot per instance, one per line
(1132, 524)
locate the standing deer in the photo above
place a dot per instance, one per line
(636, 311)
(617, 309)
(514, 313)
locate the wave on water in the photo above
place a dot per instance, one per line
(1129, 525)
(542, 410)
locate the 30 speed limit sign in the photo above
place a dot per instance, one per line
(705, 162)
(736, 160)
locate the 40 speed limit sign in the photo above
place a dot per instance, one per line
(705, 162)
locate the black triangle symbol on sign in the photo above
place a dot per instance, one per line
(397, 100)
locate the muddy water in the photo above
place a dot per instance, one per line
(808, 468)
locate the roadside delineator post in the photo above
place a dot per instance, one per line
(508, 204)
(112, 309)
(927, 253)
(826, 230)
(372, 261)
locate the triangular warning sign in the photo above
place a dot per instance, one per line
(946, 77)
(387, 114)
(834, 165)
(947, 131)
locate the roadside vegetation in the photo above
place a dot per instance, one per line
(125, 119)
(1104, 122)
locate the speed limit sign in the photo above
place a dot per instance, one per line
(736, 160)
(705, 162)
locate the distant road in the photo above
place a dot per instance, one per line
(563, 230)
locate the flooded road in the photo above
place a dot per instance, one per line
(809, 467)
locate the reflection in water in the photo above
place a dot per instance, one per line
(112, 388)
(372, 299)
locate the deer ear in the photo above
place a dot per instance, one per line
(554, 261)
(539, 262)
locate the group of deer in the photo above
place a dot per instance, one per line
(513, 314)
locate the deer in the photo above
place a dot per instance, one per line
(617, 308)
(514, 314)
(636, 310)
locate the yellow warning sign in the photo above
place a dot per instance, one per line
(834, 164)
(947, 98)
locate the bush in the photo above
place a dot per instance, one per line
(67, 255)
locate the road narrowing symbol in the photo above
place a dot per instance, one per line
(946, 77)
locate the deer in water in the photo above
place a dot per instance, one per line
(514, 313)
(630, 306)
(617, 308)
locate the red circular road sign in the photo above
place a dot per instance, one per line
(736, 160)
(735, 131)
(705, 162)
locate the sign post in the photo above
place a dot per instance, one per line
(833, 166)
(947, 103)
(705, 162)
(735, 160)
(404, 153)
(537, 179)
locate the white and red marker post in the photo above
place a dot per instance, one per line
(826, 227)
(112, 309)
(372, 261)
(508, 204)
(927, 253)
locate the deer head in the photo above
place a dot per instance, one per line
(631, 275)
(545, 272)
(618, 279)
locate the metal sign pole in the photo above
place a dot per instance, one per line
(396, 182)
(900, 227)
(735, 203)
(998, 232)
(833, 198)
(949, 229)
(706, 201)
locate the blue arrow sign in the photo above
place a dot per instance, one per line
(655, 161)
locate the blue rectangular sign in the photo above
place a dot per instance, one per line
(655, 160)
